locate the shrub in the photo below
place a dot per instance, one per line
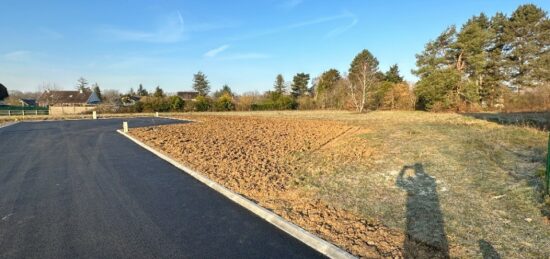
(275, 101)
(176, 103)
(225, 103)
(202, 104)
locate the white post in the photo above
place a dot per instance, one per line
(125, 126)
(23, 112)
(35, 112)
(156, 114)
(9, 113)
(94, 115)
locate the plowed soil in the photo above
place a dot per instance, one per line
(259, 158)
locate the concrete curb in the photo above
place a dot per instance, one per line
(7, 124)
(295, 231)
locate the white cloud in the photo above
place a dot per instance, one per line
(343, 29)
(321, 20)
(169, 30)
(214, 52)
(245, 56)
(19, 55)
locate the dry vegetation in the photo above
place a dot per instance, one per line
(451, 183)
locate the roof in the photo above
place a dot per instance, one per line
(60, 97)
(188, 94)
(29, 102)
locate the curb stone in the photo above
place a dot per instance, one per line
(293, 230)
(8, 124)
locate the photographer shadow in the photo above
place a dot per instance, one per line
(425, 227)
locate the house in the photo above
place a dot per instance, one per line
(27, 102)
(68, 98)
(129, 100)
(69, 102)
(188, 95)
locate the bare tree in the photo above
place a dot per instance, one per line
(360, 84)
(48, 86)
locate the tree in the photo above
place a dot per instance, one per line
(131, 92)
(176, 103)
(225, 102)
(441, 69)
(325, 85)
(201, 84)
(392, 75)
(437, 54)
(471, 46)
(82, 83)
(141, 91)
(159, 93)
(527, 37)
(279, 84)
(362, 78)
(3, 92)
(97, 91)
(299, 84)
(225, 90)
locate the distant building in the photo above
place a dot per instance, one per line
(69, 102)
(27, 102)
(188, 96)
(129, 100)
(68, 98)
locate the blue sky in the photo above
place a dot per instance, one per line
(245, 44)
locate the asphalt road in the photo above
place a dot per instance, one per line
(78, 189)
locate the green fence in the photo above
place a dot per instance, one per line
(21, 108)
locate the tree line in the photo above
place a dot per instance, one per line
(491, 63)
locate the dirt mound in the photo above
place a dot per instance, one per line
(255, 157)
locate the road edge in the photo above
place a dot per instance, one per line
(320, 245)
(7, 124)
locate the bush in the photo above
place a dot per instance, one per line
(275, 101)
(176, 103)
(202, 104)
(306, 103)
(531, 100)
(398, 97)
(225, 103)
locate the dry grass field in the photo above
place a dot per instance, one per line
(381, 184)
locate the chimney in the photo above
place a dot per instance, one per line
(80, 90)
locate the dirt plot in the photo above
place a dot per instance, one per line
(256, 157)
(382, 184)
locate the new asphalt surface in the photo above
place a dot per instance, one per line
(78, 189)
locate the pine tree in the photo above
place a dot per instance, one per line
(527, 37)
(299, 84)
(141, 91)
(326, 84)
(471, 46)
(158, 92)
(97, 91)
(437, 54)
(3, 92)
(392, 75)
(225, 90)
(494, 74)
(201, 84)
(279, 84)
